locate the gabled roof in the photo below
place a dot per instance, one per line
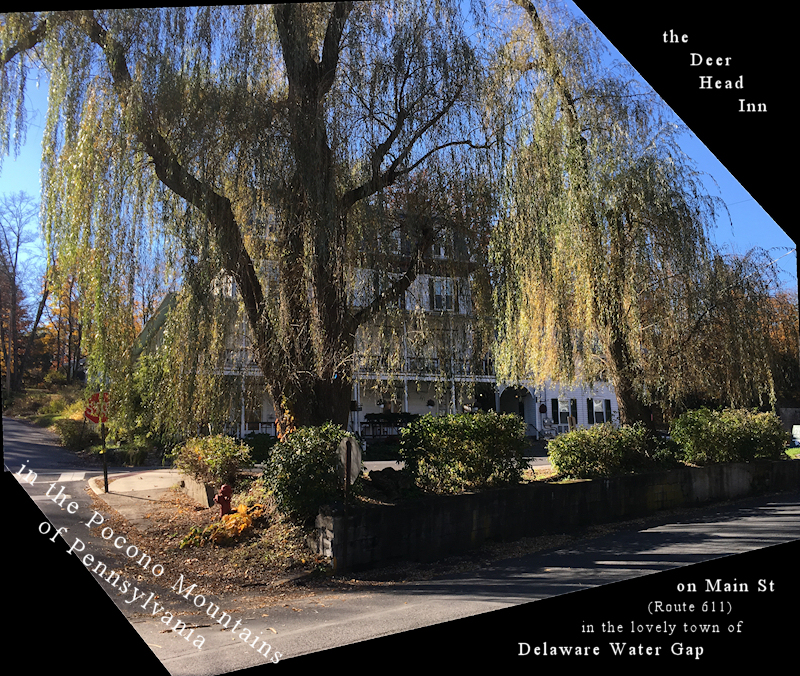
(153, 325)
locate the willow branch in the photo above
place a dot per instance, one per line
(215, 207)
(29, 41)
(330, 45)
(401, 284)
(380, 180)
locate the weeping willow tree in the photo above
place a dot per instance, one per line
(603, 265)
(249, 145)
(729, 355)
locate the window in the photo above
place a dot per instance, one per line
(442, 294)
(369, 284)
(563, 412)
(563, 409)
(599, 410)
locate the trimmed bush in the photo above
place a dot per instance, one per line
(605, 450)
(215, 460)
(55, 379)
(302, 472)
(455, 453)
(729, 435)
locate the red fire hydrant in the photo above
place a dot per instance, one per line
(223, 499)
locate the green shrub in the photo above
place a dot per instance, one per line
(54, 406)
(669, 455)
(133, 452)
(455, 453)
(55, 378)
(260, 446)
(76, 435)
(605, 450)
(729, 435)
(216, 459)
(302, 472)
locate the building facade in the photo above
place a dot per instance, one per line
(424, 355)
(400, 370)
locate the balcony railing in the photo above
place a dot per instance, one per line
(426, 366)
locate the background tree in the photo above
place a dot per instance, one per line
(14, 321)
(18, 328)
(783, 328)
(246, 141)
(64, 326)
(603, 266)
(733, 351)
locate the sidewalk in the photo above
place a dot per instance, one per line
(133, 494)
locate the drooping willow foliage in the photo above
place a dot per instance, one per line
(295, 169)
(602, 255)
(248, 146)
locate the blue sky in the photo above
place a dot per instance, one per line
(750, 225)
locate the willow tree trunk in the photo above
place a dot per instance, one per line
(632, 408)
(316, 328)
(313, 402)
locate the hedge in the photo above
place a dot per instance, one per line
(215, 459)
(729, 435)
(302, 472)
(455, 453)
(605, 450)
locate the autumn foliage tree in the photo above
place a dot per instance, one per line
(18, 322)
(783, 327)
(64, 327)
(738, 348)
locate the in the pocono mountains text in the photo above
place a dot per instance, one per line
(127, 588)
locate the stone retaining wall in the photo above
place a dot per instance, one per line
(432, 528)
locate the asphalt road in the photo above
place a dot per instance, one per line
(491, 616)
